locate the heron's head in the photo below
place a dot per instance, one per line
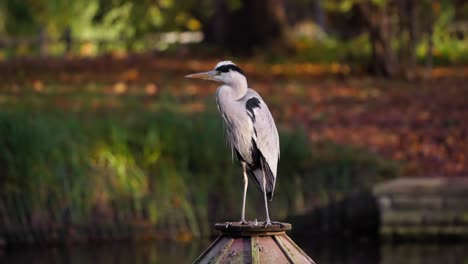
(225, 72)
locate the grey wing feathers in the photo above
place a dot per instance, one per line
(252, 135)
(238, 126)
(266, 137)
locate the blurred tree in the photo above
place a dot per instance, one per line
(16, 17)
(394, 28)
(93, 20)
(319, 13)
(26, 17)
(241, 25)
(377, 18)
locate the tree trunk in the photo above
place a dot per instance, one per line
(410, 66)
(430, 44)
(268, 19)
(257, 23)
(383, 58)
(395, 21)
(220, 23)
(67, 39)
(407, 10)
(42, 40)
(319, 14)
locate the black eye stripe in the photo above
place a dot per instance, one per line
(228, 67)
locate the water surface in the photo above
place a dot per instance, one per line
(170, 252)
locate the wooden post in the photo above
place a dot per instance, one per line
(253, 243)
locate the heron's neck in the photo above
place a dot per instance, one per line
(238, 87)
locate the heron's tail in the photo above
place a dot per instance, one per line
(257, 176)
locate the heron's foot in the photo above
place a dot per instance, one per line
(243, 222)
(227, 224)
(276, 223)
(253, 223)
(267, 223)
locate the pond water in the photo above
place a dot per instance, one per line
(163, 252)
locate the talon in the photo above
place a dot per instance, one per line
(253, 223)
(276, 223)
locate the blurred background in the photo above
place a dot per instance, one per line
(108, 154)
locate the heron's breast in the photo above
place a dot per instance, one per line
(238, 123)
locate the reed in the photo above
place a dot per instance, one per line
(88, 175)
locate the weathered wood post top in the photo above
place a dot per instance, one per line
(253, 243)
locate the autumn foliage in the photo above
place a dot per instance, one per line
(421, 123)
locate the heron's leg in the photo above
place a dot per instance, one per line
(246, 183)
(267, 221)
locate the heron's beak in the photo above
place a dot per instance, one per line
(209, 75)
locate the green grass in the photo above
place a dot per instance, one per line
(165, 171)
(165, 168)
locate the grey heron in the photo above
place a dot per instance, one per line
(251, 130)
